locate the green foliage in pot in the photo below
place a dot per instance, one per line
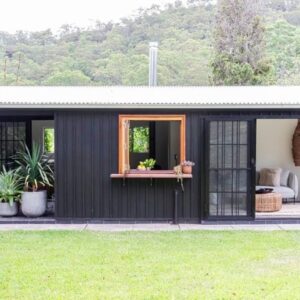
(10, 186)
(149, 163)
(34, 168)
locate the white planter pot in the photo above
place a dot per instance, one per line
(34, 203)
(6, 210)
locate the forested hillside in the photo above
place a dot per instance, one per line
(117, 53)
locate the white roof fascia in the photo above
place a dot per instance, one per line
(153, 97)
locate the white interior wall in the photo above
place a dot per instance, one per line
(274, 144)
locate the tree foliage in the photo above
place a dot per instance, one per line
(139, 140)
(117, 53)
(49, 144)
(239, 44)
(67, 77)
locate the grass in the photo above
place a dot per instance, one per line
(144, 265)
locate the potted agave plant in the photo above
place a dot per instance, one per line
(37, 175)
(10, 192)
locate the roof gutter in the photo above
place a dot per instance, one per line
(149, 106)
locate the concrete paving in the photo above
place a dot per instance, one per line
(147, 227)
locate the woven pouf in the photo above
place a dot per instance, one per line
(268, 202)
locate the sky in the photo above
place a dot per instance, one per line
(35, 15)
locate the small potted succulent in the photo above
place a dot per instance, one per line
(147, 164)
(10, 192)
(37, 175)
(187, 166)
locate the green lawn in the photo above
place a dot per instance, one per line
(142, 265)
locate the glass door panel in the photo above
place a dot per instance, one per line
(229, 169)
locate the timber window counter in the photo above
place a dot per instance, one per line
(151, 176)
(156, 175)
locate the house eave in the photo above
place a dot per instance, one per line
(150, 106)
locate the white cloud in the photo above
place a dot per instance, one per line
(31, 15)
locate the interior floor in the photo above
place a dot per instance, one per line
(288, 210)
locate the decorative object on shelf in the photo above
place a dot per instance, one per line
(10, 192)
(187, 166)
(296, 145)
(147, 164)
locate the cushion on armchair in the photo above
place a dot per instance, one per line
(270, 177)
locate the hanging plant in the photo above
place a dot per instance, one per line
(178, 172)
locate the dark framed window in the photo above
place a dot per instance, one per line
(12, 136)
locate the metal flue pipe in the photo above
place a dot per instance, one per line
(153, 49)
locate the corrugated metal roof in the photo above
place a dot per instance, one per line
(150, 97)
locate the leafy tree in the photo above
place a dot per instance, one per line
(283, 45)
(139, 140)
(239, 45)
(67, 78)
(49, 140)
(117, 53)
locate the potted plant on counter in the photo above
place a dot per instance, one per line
(187, 166)
(37, 175)
(10, 192)
(147, 164)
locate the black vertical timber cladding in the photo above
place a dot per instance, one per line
(86, 155)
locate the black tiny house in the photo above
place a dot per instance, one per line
(215, 127)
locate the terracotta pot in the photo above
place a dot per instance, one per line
(187, 169)
(296, 145)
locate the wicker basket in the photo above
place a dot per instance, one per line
(296, 145)
(268, 202)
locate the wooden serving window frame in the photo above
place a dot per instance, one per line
(124, 121)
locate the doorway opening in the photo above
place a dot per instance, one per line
(17, 131)
(276, 170)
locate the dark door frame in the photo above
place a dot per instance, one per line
(252, 143)
(252, 163)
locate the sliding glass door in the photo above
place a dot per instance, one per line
(229, 170)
